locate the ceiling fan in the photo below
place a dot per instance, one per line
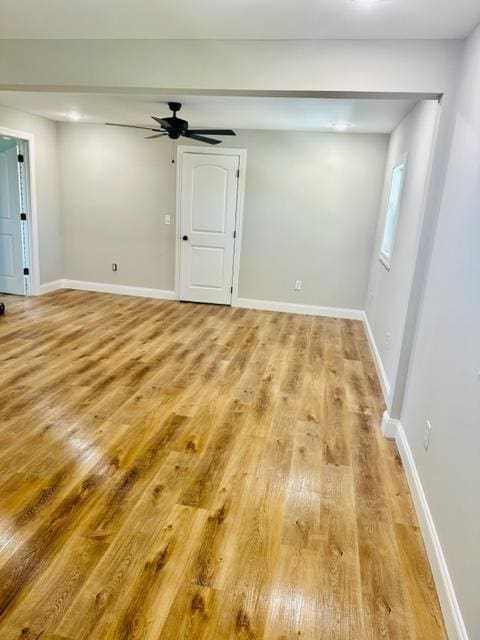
(174, 127)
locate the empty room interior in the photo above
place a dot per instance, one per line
(239, 302)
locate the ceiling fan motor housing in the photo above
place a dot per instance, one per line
(178, 126)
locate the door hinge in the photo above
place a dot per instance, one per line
(23, 216)
(238, 173)
(234, 234)
(26, 271)
(20, 157)
(231, 289)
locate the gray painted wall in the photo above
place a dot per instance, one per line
(444, 379)
(313, 197)
(389, 290)
(311, 203)
(48, 195)
(116, 188)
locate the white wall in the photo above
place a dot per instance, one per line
(48, 198)
(389, 290)
(302, 65)
(444, 379)
(312, 196)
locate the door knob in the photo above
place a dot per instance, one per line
(185, 238)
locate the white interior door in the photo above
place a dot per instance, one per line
(11, 253)
(208, 205)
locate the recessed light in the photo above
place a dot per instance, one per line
(73, 115)
(341, 126)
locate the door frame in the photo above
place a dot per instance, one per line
(32, 217)
(241, 153)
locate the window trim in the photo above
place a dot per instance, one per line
(384, 257)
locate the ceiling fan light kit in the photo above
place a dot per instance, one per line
(174, 127)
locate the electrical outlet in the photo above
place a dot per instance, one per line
(114, 266)
(298, 285)
(427, 435)
(167, 219)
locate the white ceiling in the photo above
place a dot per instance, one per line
(272, 19)
(304, 114)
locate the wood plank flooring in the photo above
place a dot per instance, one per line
(180, 471)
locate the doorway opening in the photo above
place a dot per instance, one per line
(15, 241)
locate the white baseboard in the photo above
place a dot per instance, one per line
(248, 303)
(448, 601)
(389, 426)
(303, 309)
(382, 374)
(51, 286)
(120, 289)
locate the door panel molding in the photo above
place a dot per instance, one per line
(241, 154)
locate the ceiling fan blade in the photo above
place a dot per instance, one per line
(194, 136)
(130, 126)
(165, 123)
(215, 132)
(157, 135)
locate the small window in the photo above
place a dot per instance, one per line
(391, 217)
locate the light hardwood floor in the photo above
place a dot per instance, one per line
(176, 471)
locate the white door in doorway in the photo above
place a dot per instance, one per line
(208, 206)
(11, 251)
